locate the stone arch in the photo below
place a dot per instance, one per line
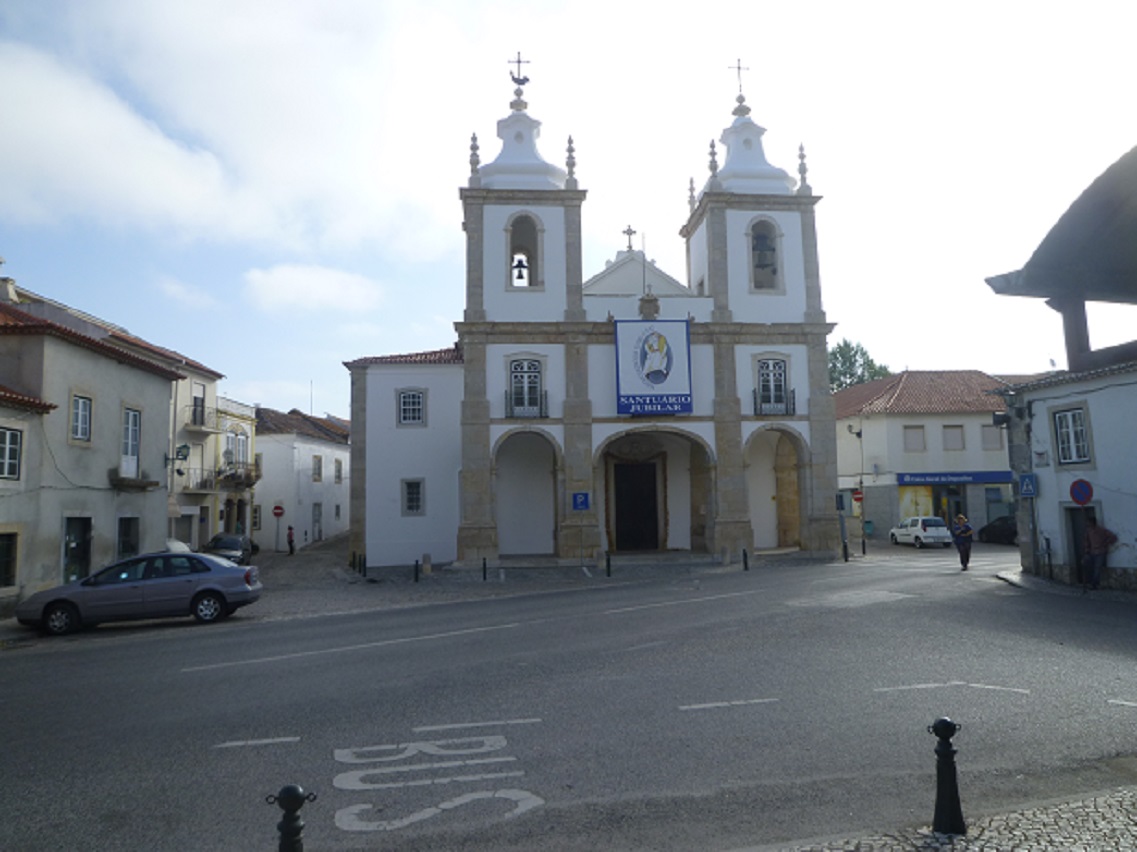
(524, 243)
(655, 490)
(527, 475)
(776, 462)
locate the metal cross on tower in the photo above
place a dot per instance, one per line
(629, 233)
(737, 67)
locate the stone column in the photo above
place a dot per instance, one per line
(732, 529)
(477, 531)
(473, 207)
(718, 278)
(823, 533)
(578, 532)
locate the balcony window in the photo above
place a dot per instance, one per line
(526, 397)
(773, 395)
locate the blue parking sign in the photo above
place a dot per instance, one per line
(580, 501)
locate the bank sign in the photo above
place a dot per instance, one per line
(653, 367)
(989, 477)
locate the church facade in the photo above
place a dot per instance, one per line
(626, 412)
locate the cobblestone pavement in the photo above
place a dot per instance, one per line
(319, 581)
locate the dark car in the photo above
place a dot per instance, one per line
(232, 546)
(154, 585)
(1004, 530)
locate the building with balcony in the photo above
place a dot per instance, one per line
(84, 426)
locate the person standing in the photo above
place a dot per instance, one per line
(1098, 541)
(962, 534)
(291, 543)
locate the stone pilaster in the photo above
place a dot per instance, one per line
(578, 531)
(477, 531)
(813, 310)
(823, 531)
(574, 269)
(718, 267)
(732, 529)
(473, 206)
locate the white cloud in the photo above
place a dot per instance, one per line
(184, 294)
(292, 287)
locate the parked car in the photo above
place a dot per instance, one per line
(1004, 530)
(921, 531)
(232, 546)
(154, 585)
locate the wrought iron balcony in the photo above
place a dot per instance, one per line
(200, 418)
(777, 407)
(238, 476)
(513, 409)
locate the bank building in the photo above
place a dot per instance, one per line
(627, 412)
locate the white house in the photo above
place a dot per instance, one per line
(625, 412)
(1072, 432)
(305, 478)
(923, 443)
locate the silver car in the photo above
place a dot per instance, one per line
(154, 585)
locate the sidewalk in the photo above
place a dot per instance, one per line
(318, 581)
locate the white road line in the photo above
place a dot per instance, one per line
(1122, 703)
(914, 686)
(458, 725)
(243, 743)
(716, 705)
(431, 782)
(346, 648)
(683, 602)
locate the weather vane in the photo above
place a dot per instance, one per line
(737, 68)
(517, 78)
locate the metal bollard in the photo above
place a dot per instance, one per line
(416, 570)
(484, 575)
(291, 799)
(608, 564)
(745, 560)
(949, 814)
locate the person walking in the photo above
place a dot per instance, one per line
(291, 543)
(1098, 541)
(962, 533)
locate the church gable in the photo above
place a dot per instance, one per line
(632, 275)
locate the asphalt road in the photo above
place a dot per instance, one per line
(698, 710)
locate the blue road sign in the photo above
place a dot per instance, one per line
(1028, 485)
(580, 501)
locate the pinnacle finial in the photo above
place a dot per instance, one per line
(475, 161)
(803, 188)
(714, 163)
(570, 166)
(691, 195)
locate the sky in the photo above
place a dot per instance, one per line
(270, 187)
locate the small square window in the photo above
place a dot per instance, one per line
(953, 437)
(914, 439)
(992, 437)
(414, 497)
(412, 408)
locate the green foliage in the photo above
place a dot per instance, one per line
(851, 364)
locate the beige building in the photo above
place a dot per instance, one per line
(625, 412)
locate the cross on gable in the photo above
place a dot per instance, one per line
(629, 233)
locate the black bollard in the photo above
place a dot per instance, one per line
(608, 564)
(416, 570)
(291, 799)
(745, 561)
(949, 813)
(484, 574)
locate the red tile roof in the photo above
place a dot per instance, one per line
(295, 422)
(15, 399)
(450, 355)
(15, 321)
(922, 392)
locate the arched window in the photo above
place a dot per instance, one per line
(764, 260)
(524, 263)
(526, 396)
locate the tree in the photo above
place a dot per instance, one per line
(851, 364)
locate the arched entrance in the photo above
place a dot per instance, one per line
(656, 492)
(773, 481)
(525, 490)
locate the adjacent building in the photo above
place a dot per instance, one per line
(85, 429)
(625, 412)
(305, 468)
(923, 443)
(1071, 447)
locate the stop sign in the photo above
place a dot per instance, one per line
(277, 511)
